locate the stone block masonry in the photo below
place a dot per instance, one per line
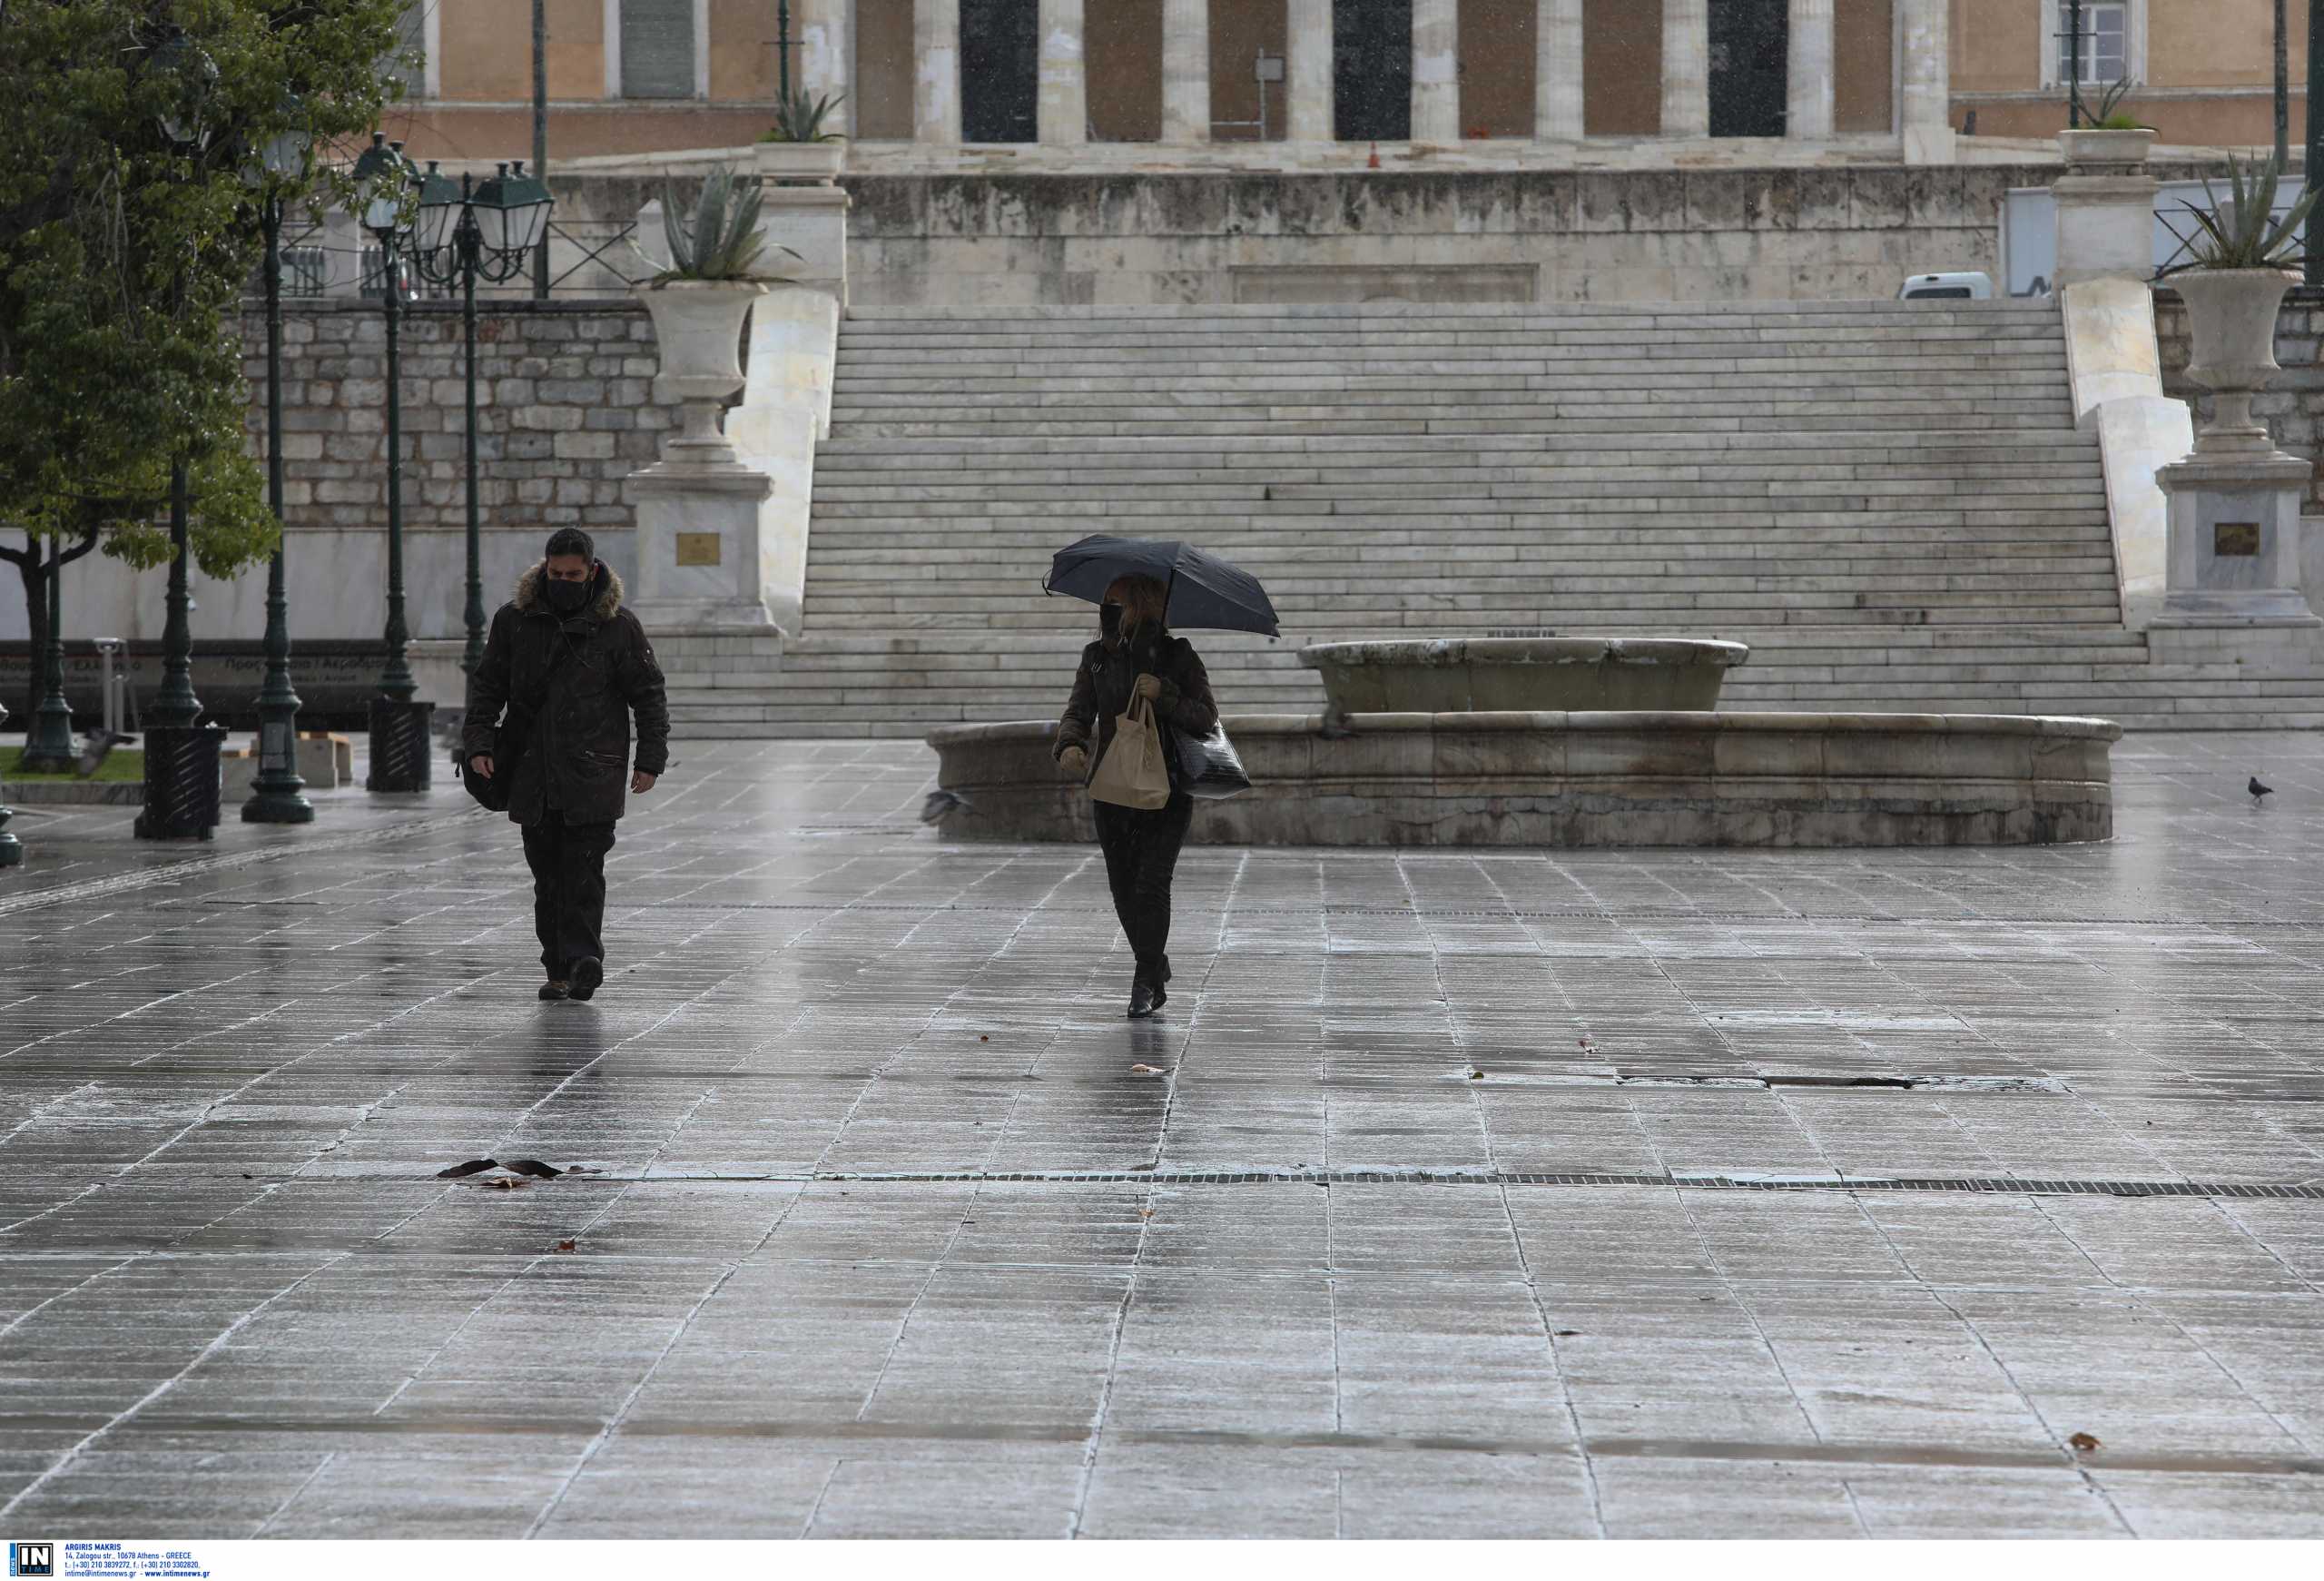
(566, 411)
(565, 407)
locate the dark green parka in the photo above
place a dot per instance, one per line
(598, 669)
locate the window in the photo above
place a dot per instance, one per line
(657, 49)
(2112, 43)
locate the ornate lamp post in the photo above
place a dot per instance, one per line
(468, 232)
(49, 739)
(11, 850)
(181, 755)
(386, 183)
(275, 795)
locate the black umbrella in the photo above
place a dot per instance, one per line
(1206, 593)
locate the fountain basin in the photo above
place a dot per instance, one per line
(1601, 779)
(1492, 674)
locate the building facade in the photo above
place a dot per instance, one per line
(1100, 83)
(1072, 83)
(2202, 71)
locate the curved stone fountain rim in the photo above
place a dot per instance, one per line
(1612, 720)
(1447, 651)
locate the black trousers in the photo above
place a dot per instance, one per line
(1141, 851)
(569, 863)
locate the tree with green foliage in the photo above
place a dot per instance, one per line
(128, 231)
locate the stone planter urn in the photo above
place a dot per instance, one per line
(2119, 147)
(2231, 321)
(699, 325)
(794, 164)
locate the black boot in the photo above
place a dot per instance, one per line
(1141, 1000)
(588, 971)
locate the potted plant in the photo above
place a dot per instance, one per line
(701, 299)
(796, 149)
(2114, 135)
(2239, 266)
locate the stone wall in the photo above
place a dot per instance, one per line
(565, 407)
(566, 410)
(2293, 407)
(1685, 235)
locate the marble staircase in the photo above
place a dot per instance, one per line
(1888, 501)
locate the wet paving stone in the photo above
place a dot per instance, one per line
(1492, 1193)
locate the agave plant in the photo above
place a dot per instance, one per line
(2244, 232)
(718, 238)
(2110, 115)
(800, 119)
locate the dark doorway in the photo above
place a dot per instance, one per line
(1000, 73)
(1750, 44)
(1372, 70)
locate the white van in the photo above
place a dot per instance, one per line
(1964, 286)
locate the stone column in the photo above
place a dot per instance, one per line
(1686, 68)
(827, 58)
(1436, 75)
(1065, 89)
(1313, 110)
(936, 71)
(1185, 71)
(1925, 108)
(1557, 71)
(1809, 102)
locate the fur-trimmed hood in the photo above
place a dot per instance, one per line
(606, 582)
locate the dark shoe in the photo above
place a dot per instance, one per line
(1161, 996)
(554, 990)
(587, 972)
(1141, 1002)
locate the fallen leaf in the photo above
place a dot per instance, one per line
(1585, 1043)
(1146, 1212)
(1476, 1075)
(473, 1166)
(2084, 1442)
(1569, 1333)
(985, 1038)
(1146, 1070)
(533, 1167)
(503, 1183)
(565, 1246)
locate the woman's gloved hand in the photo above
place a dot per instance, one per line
(1074, 761)
(1149, 687)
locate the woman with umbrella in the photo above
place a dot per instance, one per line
(1139, 583)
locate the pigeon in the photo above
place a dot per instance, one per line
(97, 746)
(2258, 790)
(942, 804)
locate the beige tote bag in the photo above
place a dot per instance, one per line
(1133, 773)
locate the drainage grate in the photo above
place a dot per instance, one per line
(1737, 1181)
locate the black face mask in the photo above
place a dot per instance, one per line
(566, 597)
(1110, 621)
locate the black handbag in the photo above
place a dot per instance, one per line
(1208, 767)
(509, 739)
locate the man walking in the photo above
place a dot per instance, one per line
(569, 664)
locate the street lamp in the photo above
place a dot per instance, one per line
(385, 184)
(466, 232)
(275, 795)
(181, 800)
(48, 737)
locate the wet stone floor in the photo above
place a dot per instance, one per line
(1876, 1193)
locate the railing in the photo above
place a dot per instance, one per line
(2173, 220)
(588, 258)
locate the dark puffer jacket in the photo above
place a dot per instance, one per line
(1101, 689)
(598, 669)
